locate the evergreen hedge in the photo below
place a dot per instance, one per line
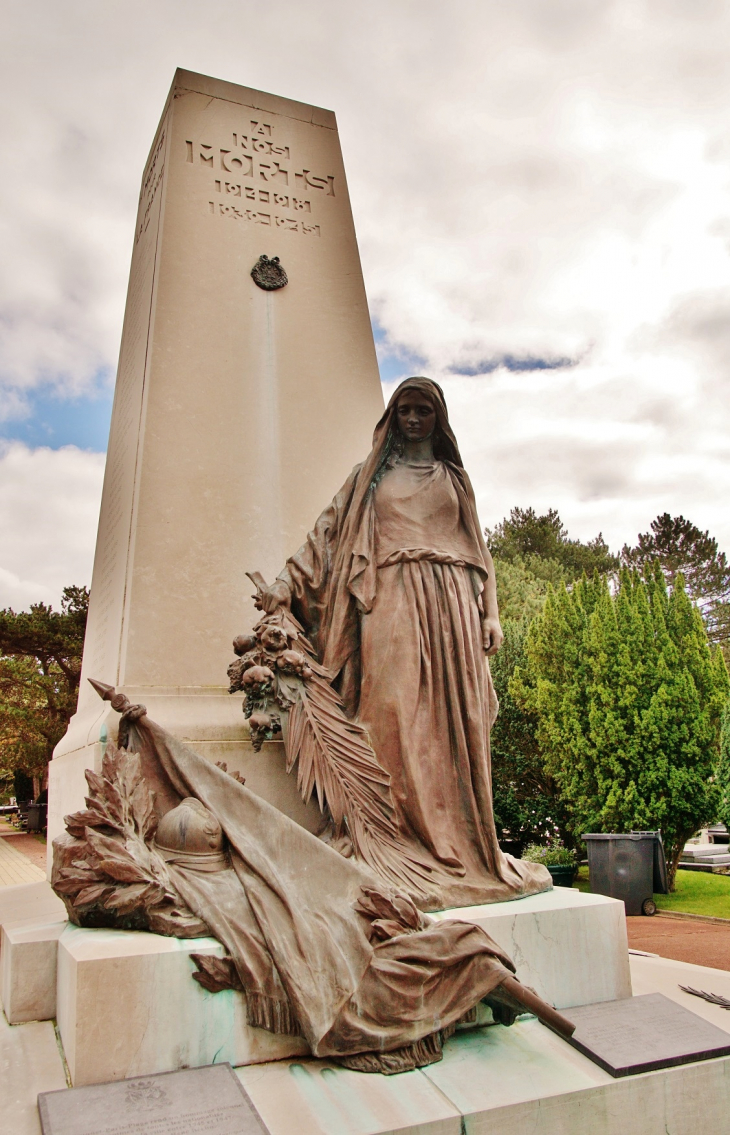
(628, 698)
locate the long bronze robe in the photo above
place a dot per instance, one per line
(389, 586)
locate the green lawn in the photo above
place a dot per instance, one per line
(581, 883)
(697, 892)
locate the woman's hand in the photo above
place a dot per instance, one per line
(277, 595)
(492, 635)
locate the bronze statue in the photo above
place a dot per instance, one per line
(395, 589)
(369, 660)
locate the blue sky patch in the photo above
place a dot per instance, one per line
(54, 421)
(515, 363)
(394, 362)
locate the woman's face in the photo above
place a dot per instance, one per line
(416, 416)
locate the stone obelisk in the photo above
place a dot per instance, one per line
(239, 411)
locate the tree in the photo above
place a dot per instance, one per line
(628, 698)
(723, 770)
(40, 670)
(521, 593)
(542, 544)
(677, 546)
(530, 552)
(527, 806)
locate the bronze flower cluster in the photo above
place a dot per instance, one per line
(267, 670)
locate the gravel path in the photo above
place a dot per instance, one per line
(684, 940)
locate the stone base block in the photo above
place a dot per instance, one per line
(128, 1006)
(570, 947)
(30, 903)
(28, 970)
(491, 1081)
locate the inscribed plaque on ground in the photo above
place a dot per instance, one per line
(196, 1101)
(641, 1034)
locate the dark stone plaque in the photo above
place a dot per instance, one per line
(640, 1034)
(197, 1101)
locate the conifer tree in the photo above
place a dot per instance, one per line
(527, 804)
(628, 698)
(723, 769)
(542, 544)
(678, 545)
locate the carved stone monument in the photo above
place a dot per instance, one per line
(326, 937)
(247, 388)
(205, 922)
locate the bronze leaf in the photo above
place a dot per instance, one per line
(90, 894)
(123, 870)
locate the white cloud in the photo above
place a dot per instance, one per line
(49, 507)
(546, 178)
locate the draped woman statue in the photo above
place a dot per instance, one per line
(395, 589)
(370, 659)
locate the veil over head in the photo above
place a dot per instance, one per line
(445, 446)
(346, 540)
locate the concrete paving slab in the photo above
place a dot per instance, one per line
(30, 1062)
(16, 868)
(316, 1097)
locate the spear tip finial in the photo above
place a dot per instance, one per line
(105, 692)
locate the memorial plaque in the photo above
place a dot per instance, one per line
(197, 1101)
(641, 1034)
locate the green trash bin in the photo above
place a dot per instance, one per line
(622, 867)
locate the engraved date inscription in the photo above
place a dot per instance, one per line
(273, 220)
(236, 189)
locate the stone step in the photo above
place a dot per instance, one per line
(703, 850)
(714, 860)
(708, 866)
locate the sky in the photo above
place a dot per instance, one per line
(541, 193)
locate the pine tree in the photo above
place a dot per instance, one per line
(542, 544)
(628, 698)
(679, 546)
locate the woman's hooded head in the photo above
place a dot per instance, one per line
(352, 575)
(387, 434)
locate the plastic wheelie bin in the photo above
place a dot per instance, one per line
(627, 866)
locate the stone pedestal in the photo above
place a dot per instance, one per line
(570, 947)
(30, 903)
(28, 971)
(238, 413)
(127, 1004)
(492, 1081)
